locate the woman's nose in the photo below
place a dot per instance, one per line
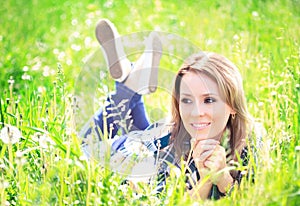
(198, 110)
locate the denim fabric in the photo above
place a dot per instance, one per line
(124, 111)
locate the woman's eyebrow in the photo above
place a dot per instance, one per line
(186, 94)
(209, 94)
(204, 95)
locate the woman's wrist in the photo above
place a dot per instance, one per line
(225, 183)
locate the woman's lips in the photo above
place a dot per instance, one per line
(200, 126)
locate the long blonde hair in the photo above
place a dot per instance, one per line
(229, 82)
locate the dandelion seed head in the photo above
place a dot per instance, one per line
(44, 140)
(70, 131)
(46, 71)
(74, 22)
(21, 161)
(69, 161)
(19, 154)
(83, 158)
(11, 80)
(209, 42)
(61, 56)
(124, 188)
(57, 158)
(55, 51)
(76, 47)
(236, 37)
(10, 134)
(100, 185)
(255, 14)
(2, 166)
(260, 104)
(25, 69)
(88, 41)
(69, 62)
(41, 89)
(37, 65)
(88, 22)
(26, 76)
(102, 76)
(4, 184)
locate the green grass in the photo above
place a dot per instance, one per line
(49, 41)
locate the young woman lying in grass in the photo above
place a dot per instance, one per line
(210, 121)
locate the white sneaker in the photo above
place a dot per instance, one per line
(143, 77)
(108, 37)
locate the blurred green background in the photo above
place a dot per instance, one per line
(46, 45)
(261, 37)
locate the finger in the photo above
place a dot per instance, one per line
(205, 155)
(199, 164)
(193, 143)
(219, 152)
(203, 152)
(205, 147)
(209, 164)
(201, 147)
(208, 142)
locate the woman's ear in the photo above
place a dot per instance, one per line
(233, 112)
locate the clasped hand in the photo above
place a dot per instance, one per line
(210, 158)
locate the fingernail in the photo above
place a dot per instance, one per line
(197, 159)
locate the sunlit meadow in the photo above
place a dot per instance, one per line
(48, 46)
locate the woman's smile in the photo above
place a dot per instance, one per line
(201, 126)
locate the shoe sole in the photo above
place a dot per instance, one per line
(157, 53)
(103, 32)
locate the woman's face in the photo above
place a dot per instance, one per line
(203, 112)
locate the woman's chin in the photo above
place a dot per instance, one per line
(204, 137)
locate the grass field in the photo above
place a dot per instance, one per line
(49, 52)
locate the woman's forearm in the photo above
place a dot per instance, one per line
(201, 189)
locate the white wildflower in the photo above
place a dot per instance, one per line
(10, 134)
(255, 14)
(76, 202)
(3, 184)
(83, 158)
(41, 89)
(2, 166)
(20, 159)
(46, 71)
(26, 76)
(45, 141)
(19, 154)
(25, 69)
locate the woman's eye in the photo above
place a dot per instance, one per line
(209, 100)
(186, 100)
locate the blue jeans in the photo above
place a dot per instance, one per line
(125, 110)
